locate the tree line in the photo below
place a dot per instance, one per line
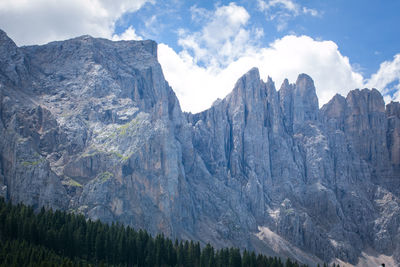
(58, 238)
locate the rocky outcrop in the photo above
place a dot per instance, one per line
(13, 63)
(91, 126)
(393, 133)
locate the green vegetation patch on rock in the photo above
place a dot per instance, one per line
(127, 127)
(122, 157)
(104, 176)
(71, 182)
(38, 159)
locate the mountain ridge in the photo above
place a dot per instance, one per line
(100, 132)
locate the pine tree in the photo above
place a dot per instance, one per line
(57, 238)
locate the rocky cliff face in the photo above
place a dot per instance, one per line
(393, 133)
(91, 126)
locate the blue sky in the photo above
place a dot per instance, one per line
(367, 32)
(205, 46)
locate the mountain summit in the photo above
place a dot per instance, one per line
(91, 126)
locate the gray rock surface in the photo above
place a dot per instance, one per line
(393, 133)
(91, 126)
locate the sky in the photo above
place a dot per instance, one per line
(204, 47)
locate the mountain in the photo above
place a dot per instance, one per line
(91, 126)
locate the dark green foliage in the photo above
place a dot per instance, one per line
(56, 238)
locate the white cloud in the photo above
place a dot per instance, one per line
(41, 21)
(222, 39)
(200, 14)
(197, 87)
(151, 22)
(394, 96)
(286, 4)
(311, 12)
(128, 34)
(282, 11)
(291, 55)
(387, 79)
